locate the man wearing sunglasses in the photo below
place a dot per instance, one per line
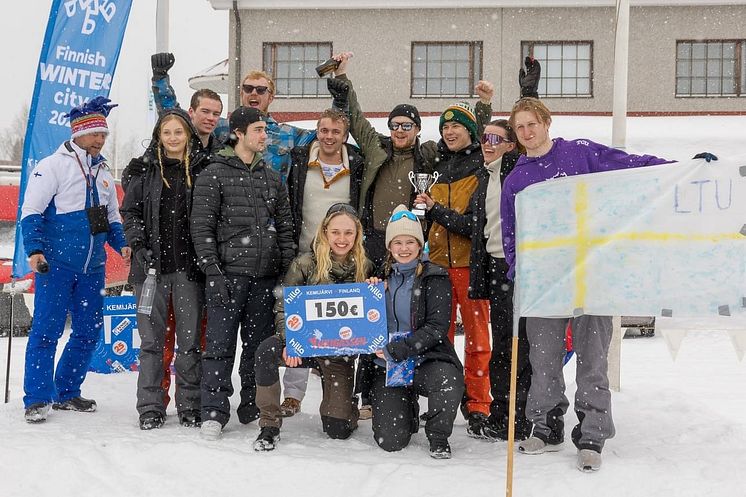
(257, 91)
(389, 160)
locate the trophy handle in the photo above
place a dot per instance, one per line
(436, 175)
(411, 179)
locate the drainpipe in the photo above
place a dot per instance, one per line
(621, 61)
(237, 55)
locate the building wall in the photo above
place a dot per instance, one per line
(381, 41)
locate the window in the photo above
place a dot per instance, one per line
(566, 67)
(446, 69)
(710, 68)
(292, 65)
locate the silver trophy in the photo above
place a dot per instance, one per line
(422, 183)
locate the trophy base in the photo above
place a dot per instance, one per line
(418, 212)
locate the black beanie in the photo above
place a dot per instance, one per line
(407, 110)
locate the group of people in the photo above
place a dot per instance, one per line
(228, 211)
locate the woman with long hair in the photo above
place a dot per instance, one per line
(418, 309)
(338, 256)
(156, 208)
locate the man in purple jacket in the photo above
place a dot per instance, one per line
(546, 159)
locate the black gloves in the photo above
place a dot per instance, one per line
(529, 79)
(144, 258)
(707, 156)
(161, 63)
(217, 293)
(339, 90)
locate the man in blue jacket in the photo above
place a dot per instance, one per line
(257, 91)
(70, 211)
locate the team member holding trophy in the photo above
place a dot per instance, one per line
(460, 158)
(338, 256)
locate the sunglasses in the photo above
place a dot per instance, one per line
(404, 126)
(402, 214)
(341, 207)
(494, 139)
(260, 90)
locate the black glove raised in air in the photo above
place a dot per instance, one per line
(340, 91)
(529, 78)
(161, 63)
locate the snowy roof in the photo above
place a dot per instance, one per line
(214, 77)
(449, 4)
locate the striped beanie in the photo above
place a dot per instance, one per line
(463, 114)
(90, 117)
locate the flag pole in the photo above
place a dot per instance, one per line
(513, 381)
(161, 26)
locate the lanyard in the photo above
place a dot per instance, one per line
(90, 188)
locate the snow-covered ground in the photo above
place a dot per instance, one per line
(680, 432)
(680, 425)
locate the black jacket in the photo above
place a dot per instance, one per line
(296, 181)
(141, 208)
(472, 223)
(241, 218)
(431, 317)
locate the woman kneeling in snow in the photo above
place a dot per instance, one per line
(418, 299)
(338, 257)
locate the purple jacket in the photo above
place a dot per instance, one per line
(565, 158)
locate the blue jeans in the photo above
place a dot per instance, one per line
(58, 292)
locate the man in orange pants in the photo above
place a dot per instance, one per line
(460, 157)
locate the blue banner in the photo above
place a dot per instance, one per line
(78, 57)
(334, 320)
(118, 347)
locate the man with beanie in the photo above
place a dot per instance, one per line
(242, 230)
(70, 211)
(459, 159)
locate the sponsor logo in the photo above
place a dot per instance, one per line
(374, 315)
(119, 347)
(294, 322)
(345, 333)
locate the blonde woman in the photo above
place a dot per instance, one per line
(338, 257)
(156, 210)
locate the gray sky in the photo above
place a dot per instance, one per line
(198, 38)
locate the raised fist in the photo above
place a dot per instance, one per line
(161, 63)
(529, 79)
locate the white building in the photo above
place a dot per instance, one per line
(685, 56)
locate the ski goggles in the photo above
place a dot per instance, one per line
(341, 207)
(260, 90)
(494, 139)
(397, 216)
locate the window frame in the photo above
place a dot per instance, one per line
(528, 46)
(473, 80)
(272, 46)
(739, 71)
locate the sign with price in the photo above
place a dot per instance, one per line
(335, 320)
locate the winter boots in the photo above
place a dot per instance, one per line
(75, 404)
(535, 445)
(289, 407)
(267, 440)
(151, 420)
(190, 419)
(211, 430)
(439, 448)
(37, 413)
(477, 421)
(589, 460)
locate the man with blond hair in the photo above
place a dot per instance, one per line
(257, 91)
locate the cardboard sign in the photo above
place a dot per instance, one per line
(335, 320)
(119, 346)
